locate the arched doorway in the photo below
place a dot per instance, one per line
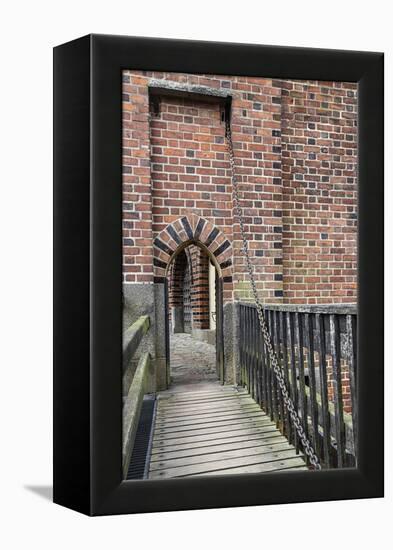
(171, 246)
(193, 316)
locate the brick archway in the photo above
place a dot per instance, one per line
(194, 229)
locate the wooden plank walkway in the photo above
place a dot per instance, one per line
(211, 429)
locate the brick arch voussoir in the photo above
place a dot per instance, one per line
(192, 229)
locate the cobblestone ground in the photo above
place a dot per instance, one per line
(192, 361)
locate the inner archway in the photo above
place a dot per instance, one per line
(192, 304)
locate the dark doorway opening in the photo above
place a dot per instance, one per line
(193, 313)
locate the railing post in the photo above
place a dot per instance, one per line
(283, 332)
(253, 353)
(239, 321)
(337, 391)
(273, 396)
(258, 348)
(264, 377)
(250, 353)
(293, 384)
(309, 338)
(255, 362)
(300, 362)
(269, 409)
(276, 336)
(321, 348)
(352, 361)
(247, 327)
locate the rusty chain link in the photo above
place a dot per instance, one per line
(306, 444)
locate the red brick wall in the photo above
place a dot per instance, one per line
(190, 171)
(181, 184)
(176, 280)
(137, 199)
(200, 288)
(319, 192)
(295, 150)
(199, 285)
(345, 384)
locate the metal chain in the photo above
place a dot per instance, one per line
(306, 444)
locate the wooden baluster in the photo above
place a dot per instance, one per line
(309, 341)
(273, 377)
(277, 346)
(321, 348)
(337, 390)
(248, 325)
(258, 360)
(275, 383)
(240, 340)
(242, 344)
(250, 350)
(249, 332)
(268, 373)
(352, 367)
(301, 380)
(245, 346)
(255, 335)
(283, 332)
(252, 364)
(245, 343)
(292, 362)
(255, 346)
(264, 374)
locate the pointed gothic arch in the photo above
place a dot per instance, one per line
(192, 229)
(169, 243)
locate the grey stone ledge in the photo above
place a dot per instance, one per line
(179, 87)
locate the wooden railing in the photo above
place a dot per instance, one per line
(316, 347)
(134, 384)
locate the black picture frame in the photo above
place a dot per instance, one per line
(87, 274)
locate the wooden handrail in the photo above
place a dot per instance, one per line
(132, 408)
(340, 309)
(132, 338)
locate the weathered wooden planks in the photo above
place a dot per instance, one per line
(222, 434)
(227, 445)
(199, 459)
(215, 428)
(226, 437)
(295, 463)
(206, 413)
(267, 460)
(222, 430)
(207, 422)
(214, 403)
